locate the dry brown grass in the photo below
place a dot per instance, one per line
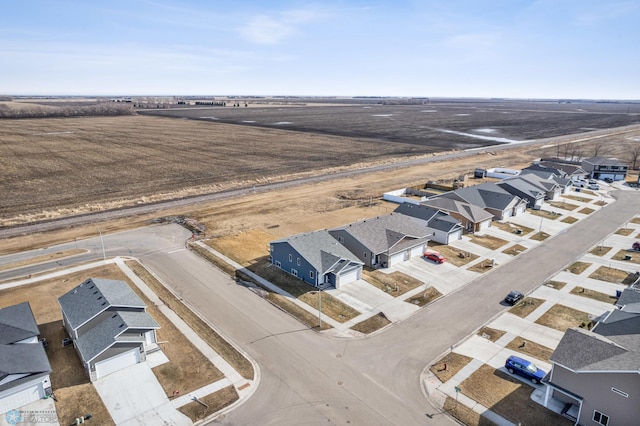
(491, 333)
(488, 241)
(425, 297)
(613, 275)
(286, 305)
(43, 258)
(592, 294)
(539, 236)
(558, 285)
(511, 227)
(578, 198)
(453, 255)
(455, 362)
(515, 250)
(331, 307)
(578, 267)
(526, 306)
(600, 203)
(635, 220)
(396, 283)
(213, 339)
(544, 214)
(586, 210)
(372, 324)
(243, 247)
(562, 318)
(482, 266)
(531, 348)
(600, 250)
(563, 205)
(627, 256)
(508, 397)
(569, 219)
(624, 231)
(464, 414)
(216, 401)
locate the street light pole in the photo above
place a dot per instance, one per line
(320, 308)
(104, 255)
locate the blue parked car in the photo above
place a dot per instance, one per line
(524, 368)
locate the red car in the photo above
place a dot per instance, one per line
(436, 257)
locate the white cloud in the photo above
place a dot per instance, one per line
(272, 29)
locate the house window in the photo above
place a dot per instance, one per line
(290, 257)
(311, 274)
(298, 262)
(294, 272)
(619, 392)
(600, 418)
(341, 239)
(365, 254)
(271, 248)
(278, 264)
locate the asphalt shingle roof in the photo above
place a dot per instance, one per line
(17, 323)
(486, 195)
(384, 233)
(434, 218)
(468, 211)
(320, 249)
(95, 295)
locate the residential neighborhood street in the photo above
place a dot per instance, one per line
(309, 378)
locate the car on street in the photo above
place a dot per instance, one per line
(594, 186)
(436, 257)
(593, 181)
(579, 183)
(513, 297)
(524, 368)
(608, 180)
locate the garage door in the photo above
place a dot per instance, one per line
(349, 277)
(455, 236)
(396, 258)
(417, 251)
(484, 225)
(19, 399)
(118, 362)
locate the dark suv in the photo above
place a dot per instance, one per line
(524, 368)
(513, 297)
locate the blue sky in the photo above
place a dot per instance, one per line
(443, 48)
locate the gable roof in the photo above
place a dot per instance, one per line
(523, 186)
(629, 299)
(543, 170)
(22, 359)
(569, 169)
(470, 212)
(110, 331)
(486, 195)
(603, 161)
(433, 217)
(96, 295)
(388, 233)
(17, 323)
(320, 249)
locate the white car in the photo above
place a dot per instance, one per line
(594, 186)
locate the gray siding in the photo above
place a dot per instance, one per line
(595, 389)
(354, 246)
(280, 253)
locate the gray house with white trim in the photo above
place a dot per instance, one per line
(24, 366)
(605, 168)
(108, 324)
(384, 241)
(492, 198)
(316, 258)
(596, 374)
(444, 227)
(471, 217)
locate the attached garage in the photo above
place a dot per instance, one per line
(394, 259)
(18, 398)
(347, 277)
(484, 225)
(118, 362)
(417, 251)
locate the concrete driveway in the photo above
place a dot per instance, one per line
(133, 396)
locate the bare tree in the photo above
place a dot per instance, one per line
(597, 148)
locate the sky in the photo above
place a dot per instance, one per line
(575, 49)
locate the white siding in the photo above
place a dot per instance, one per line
(117, 362)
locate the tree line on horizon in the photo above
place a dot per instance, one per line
(35, 111)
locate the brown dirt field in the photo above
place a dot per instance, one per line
(600, 250)
(569, 219)
(488, 241)
(622, 254)
(530, 348)
(515, 250)
(578, 267)
(592, 294)
(558, 285)
(424, 298)
(563, 317)
(624, 231)
(372, 324)
(526, 306)
(455, 362)
(613, 275)
(490, 333)
(508, 397)
(395, 284)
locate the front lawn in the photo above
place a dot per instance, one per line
(592, 294)
(488, 241)
(562, 318)
(396, 283)
(526, 306)
(613, 275)
(578, 267)
(424, 297)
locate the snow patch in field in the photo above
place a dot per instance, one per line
(247, 121)
(461, 115)
(484, 130)
(209, 118)
(366, 107)
(382, 115)
(634, 138)
(282, 122)
(486, 138)
(429, 110)
(588, 128)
